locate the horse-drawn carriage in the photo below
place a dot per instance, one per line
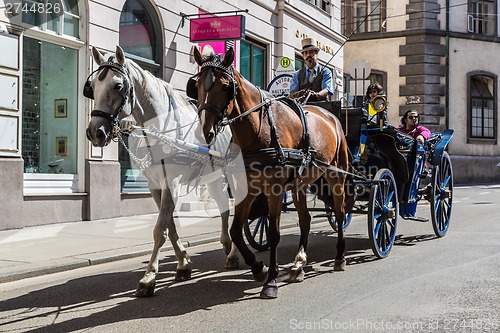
(348, 161)
(390, 173)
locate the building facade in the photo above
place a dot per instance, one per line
(49, 171)
(435, 56)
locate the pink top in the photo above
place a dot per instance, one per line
(419, 130)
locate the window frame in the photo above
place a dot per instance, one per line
(132, 181)
(350, 25)
(482, 140)
(61, 18)
(321, 4)
(480, 21)
(253, 43)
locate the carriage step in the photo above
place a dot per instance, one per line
(416, 218)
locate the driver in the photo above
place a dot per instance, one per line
(410, 125)
(311, 78)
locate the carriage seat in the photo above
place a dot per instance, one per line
(404, 142)
(351, 119)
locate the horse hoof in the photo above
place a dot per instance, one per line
(232, 263)
(183, 274)
(145, 290)
(339, 265)
(262, 275)
(269, 290)
(296, 275)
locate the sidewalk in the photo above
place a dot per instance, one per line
(35, 251)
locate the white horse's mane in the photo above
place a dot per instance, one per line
(145, 77)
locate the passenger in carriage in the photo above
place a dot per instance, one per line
(312, 78)
(410, 125)
(373, 90)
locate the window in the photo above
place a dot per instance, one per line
(50, 114)
(482, 106)
(140, 35)
(253, 62)
(481, 17)
(60, 17)
(141, 40)
(355, 92)
(299, 62)
(50, 98)
(360, 16)
(320, 3)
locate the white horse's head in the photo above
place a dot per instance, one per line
(112, 90)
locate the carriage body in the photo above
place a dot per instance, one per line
(395, 173)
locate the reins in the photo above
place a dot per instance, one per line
(265, 102)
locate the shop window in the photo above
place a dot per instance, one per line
(60, 17)
(482, 113)
(361, 16)
(50, 115)
(481, 17)
(253, 62)
(141, 40)
(140, 35)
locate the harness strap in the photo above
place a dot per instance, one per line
(299, 110)
(99, 113)
(320, 165)
(211, 108)
(274, 132)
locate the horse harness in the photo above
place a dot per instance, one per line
(272, 156)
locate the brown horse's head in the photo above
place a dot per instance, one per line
(113, 96)
(215, 90)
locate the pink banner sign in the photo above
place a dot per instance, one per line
(217, 28)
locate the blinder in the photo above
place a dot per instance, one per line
(192, 91)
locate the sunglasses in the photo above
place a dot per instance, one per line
(412, 117)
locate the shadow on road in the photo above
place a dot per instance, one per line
(103, 299)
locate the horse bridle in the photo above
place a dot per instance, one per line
(213, 64)
(128, 89)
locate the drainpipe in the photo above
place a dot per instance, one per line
(447, 68)
(281, 32)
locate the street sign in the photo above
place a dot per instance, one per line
(280, 85)
(285, 66)
(360, 69)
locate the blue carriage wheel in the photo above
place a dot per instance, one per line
(333, 221)
(383, 213)
(256, 232)
(442, 195)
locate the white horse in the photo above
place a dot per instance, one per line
(121, 88)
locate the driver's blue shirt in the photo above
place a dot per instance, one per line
(326, 83)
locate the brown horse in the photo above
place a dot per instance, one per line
(271, 133)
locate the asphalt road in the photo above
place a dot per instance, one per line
(426, 284)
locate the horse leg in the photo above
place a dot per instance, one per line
(147, 283)
(270, 288)
(337, 184)
(300, 261)
(166, 203)
(221, 197)
(241, 210)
